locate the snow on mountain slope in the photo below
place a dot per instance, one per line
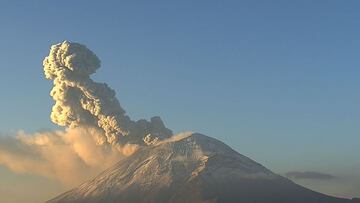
(192, 168)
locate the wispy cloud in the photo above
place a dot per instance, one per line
(309, 175)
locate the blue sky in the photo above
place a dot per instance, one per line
(278, 81)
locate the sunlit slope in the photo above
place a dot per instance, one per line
(194, 168)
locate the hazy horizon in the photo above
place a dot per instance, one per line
(276, 81)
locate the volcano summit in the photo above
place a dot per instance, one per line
(191, 168)
(185, 168)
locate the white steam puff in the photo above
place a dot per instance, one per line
(79, 101)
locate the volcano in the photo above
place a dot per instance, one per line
(191, 168)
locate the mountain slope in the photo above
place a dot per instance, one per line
(194, 168)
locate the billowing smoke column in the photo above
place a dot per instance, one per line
(79, 101)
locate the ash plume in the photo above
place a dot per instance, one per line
(69, 156)
(80, 101)
(97, 133)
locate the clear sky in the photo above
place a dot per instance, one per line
(276, 80)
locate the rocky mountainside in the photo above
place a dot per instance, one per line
(192, 168)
